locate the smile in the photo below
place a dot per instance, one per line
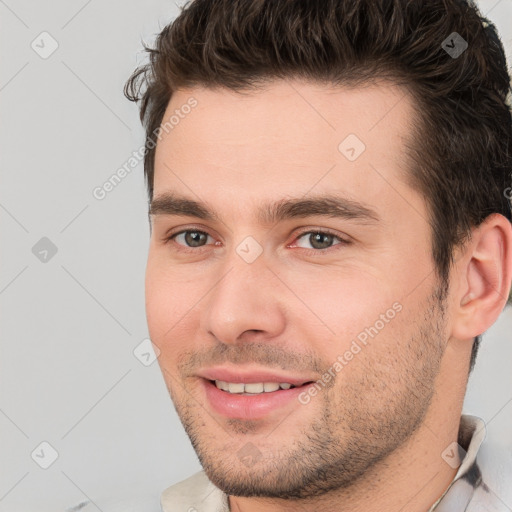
(254, 388)
(252, 400)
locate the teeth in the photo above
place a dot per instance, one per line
(252, 388)
(235, 388)
(222, 385)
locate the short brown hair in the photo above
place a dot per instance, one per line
(461, 159)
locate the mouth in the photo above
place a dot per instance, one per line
(253, 400)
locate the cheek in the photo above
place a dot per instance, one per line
(172, 310)
(154, 293)
(165, 302)
(344, 301)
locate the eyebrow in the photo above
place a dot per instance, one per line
(272, 212)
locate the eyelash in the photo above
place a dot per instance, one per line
(316, 252)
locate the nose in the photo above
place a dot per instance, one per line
(245, 298)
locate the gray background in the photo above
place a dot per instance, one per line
(70, 324)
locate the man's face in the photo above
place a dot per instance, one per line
(299, 297)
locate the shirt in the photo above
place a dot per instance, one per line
(469, 491)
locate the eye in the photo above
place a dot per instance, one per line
(189, 238)
(320, 240)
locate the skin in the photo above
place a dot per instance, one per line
(371, 440)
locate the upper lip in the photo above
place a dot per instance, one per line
(247, 376)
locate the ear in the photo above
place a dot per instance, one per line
(485, 278)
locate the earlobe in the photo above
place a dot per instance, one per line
(486, 278)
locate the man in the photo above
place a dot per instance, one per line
(330, 235)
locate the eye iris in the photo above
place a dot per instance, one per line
(315, 237)
(193, 237)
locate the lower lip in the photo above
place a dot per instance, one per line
(250, 407)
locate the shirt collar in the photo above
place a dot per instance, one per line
(457, 496)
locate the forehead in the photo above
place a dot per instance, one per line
(290, 138)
